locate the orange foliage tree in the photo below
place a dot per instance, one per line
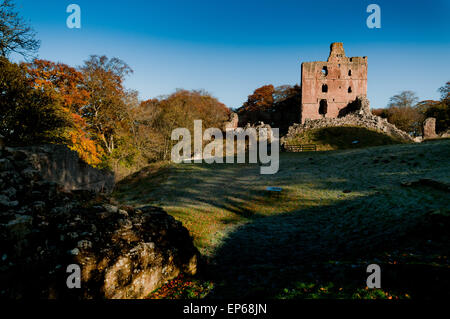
(66, 85)
(277, 106)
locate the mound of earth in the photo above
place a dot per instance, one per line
(356, 114)
(343, 137)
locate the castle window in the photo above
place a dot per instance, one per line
(324, 88)
(349, 89)
(349, 72)
(323, 107)
(325, 71)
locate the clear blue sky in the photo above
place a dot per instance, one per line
(229, 48)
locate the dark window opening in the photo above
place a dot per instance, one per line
(349, 89)
(323, 107)
(325, 88)
(349, 72)
(325, 71)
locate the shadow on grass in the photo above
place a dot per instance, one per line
(307, 242)
(322, 245)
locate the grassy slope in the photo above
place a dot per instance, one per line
(339, 138)
(338, 212)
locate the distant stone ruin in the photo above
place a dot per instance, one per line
(232, 123)
(329, 87)
(334, 93)
(263, 131)
(356, 114)
(429, 128)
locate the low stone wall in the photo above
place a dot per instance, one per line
(59, 164)
(123, 252)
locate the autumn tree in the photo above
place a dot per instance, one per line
(159, 117)
(380, 112)
(16, 36)
(438, 109)
(403, 113)
(277, 106)
(286, 109)
(107, 105)
(28, 115)
(66, 85)
(445, 92)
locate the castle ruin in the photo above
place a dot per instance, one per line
(328, 87)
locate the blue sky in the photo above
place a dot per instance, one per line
(229, 48)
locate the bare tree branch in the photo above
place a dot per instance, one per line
(16, 36)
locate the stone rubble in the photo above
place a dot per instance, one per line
(358, 114)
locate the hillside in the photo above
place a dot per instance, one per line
(337, 213)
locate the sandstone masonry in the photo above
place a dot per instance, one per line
(328, 87)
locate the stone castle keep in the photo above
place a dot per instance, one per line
(328, 87)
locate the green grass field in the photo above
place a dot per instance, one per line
(338, 212)
(343, 137)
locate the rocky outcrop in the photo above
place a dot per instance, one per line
(123, 252)
(356, 113)
(59, 164)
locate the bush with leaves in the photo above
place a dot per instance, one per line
(28, 115)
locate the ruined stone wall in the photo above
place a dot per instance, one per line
(123, 252)
(354, 119)
(328, 87)
(59, 164)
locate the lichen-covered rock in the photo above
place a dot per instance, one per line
(123, 252)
